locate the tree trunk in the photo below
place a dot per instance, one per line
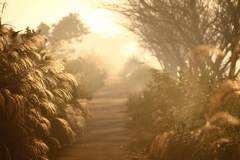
(234, 59)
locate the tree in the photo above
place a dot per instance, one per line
(172, 28)
(68, 28)
(45, 29)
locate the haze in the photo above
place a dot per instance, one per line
(106, 37)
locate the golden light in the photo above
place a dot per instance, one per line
(30, 13)
(131, 49)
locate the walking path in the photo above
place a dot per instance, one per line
(107, 136)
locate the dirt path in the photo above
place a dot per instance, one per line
(107, 136)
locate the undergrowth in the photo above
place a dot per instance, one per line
(90, 70)
(177, 120)
(136, 73)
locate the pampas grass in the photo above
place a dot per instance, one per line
(48, 108)
(39, 110)
(189, 119)
(225, 89)
(216, 139)
(12, 105)
(76, 118)
(203, 58)
(223, 119)
(53, 144)
(63, 132)
(160, 145)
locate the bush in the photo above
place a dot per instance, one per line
(91, 72)
(136, 73)
(176, 120)
(154, 108)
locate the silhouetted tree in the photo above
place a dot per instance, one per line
(45, 29)
(68, 28)
(172, 28)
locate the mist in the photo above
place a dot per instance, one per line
(124, 80)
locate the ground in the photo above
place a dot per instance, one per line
(108, 135)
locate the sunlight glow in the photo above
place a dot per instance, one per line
(132, 49)
(107, 37)
(32, 12)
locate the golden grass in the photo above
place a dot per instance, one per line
(159, 147)
(225, 89)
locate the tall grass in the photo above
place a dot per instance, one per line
(39, 108)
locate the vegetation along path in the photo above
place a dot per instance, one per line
(107, 136)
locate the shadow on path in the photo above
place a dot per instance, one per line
(107, 136)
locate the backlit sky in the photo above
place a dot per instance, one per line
(107, 38)
(20, 13)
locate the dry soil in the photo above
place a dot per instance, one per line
(108, 136)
